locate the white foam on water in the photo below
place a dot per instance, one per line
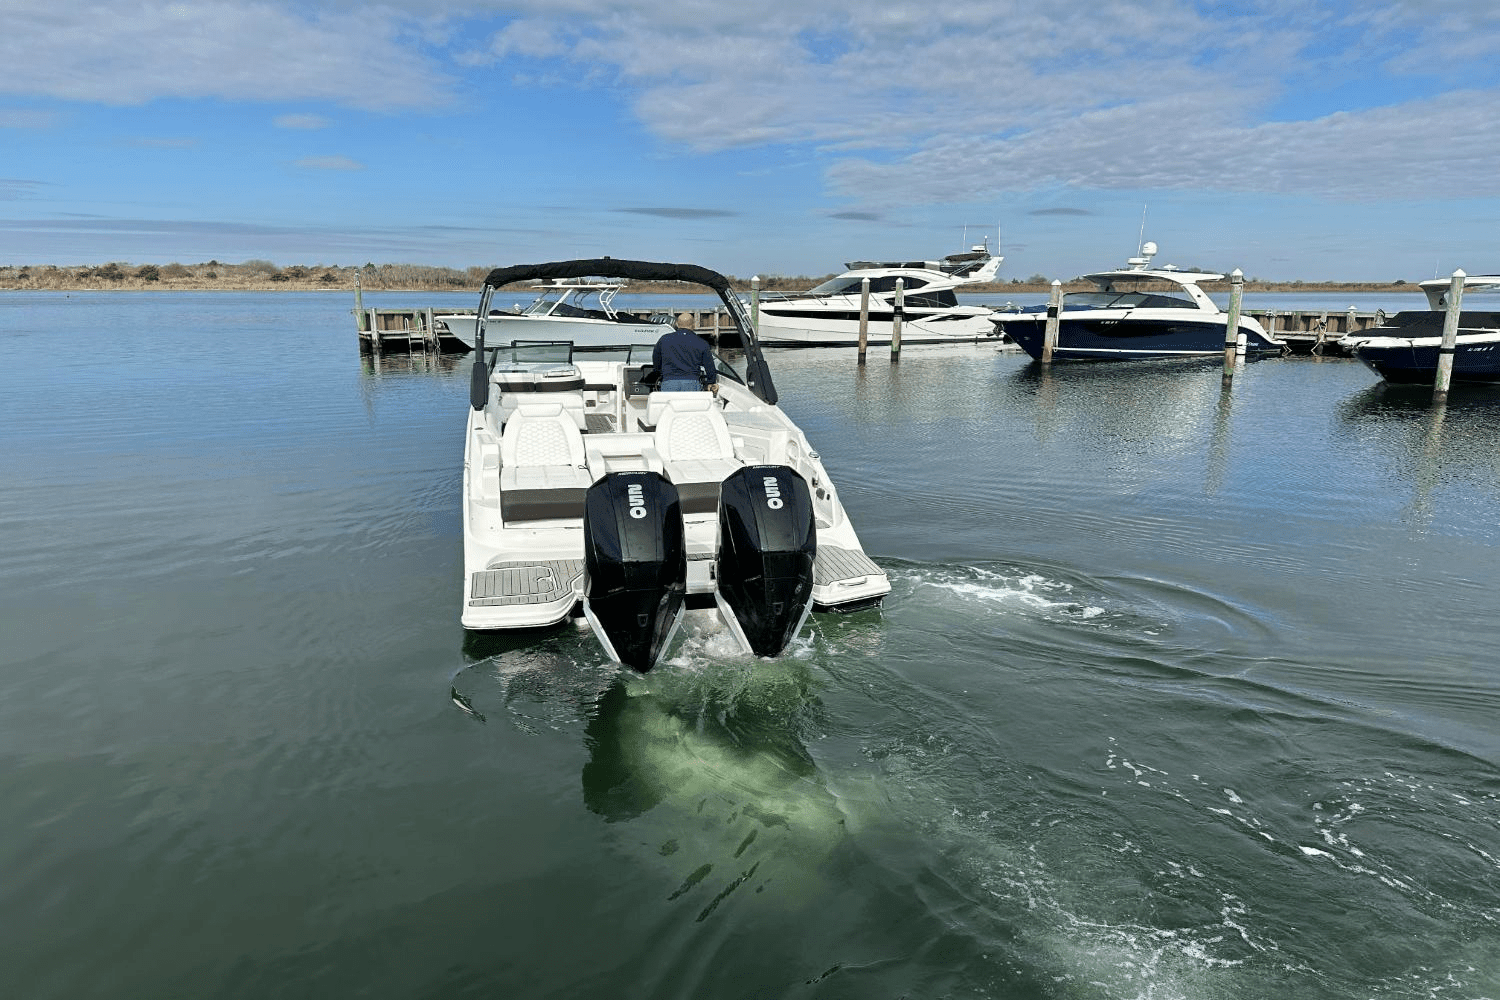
(977, 584)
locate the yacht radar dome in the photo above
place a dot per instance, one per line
(1148, 250)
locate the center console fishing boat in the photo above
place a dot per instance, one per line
(578, 310)
(588, 492)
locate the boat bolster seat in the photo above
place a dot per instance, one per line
(622, 452)
(571, 402)
(696, 449)
(658, 402)
(543, 465)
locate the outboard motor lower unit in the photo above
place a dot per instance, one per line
(635, 565)
(767, 544)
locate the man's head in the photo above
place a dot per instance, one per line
(685, 321)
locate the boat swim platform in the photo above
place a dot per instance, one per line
(544, 581)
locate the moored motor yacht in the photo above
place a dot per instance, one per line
(579, 311)
(1139, 311)
(931, 313)
(587, 492)
(1405, 348)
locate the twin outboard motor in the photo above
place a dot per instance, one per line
(767, 543)
(635, 565)
(635, 561)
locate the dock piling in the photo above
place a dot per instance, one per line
(1054, 311)
(896, 317)
(1232, 321)
(1450, 338)
(864, 317)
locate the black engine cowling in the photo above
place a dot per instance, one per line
(767, 544)
(635, 565)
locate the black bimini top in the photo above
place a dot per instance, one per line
(758, 376)
(609, 267)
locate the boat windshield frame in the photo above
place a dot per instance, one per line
(1436, 289)
(757, 375)
(1130, 282)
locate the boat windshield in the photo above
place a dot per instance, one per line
(848, 285)
(1125, 300)
(576, 302)
(532, 352)
(727, 370)
(632, 354)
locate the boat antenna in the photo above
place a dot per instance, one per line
(1140, 242)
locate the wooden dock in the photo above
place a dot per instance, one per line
(1316, 331)
(1306, 331)
(382, 330)
(407, 330)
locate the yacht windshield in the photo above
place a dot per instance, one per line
(881, 285)
(1124, 300)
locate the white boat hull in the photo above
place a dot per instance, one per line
(799, 327)
(529, 573)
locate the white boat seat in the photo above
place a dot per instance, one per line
(543, 473)
(657, 402)
(571, 403)
(695, 448)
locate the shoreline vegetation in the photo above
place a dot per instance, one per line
(264, 276)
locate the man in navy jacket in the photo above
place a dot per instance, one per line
(680, 354)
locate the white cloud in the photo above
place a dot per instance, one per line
(907, 102)
(112, 53)
(900, 101)
(27, 118)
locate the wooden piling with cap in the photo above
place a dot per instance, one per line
(1449, 344)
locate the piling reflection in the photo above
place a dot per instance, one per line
(1430, 446)
(396, 364)
(1218, 448)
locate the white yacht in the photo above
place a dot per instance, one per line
(931, 312)
(586, 492)
(581, 311)
(1138, 312)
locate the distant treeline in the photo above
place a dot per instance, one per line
(262, 275)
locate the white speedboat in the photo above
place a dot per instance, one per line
(931, 312)
(580, 311)
(1138, 312)
(586, 492)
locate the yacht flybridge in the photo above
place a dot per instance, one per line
(586, 492)
(931, 312)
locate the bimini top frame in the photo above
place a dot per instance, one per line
(757, 374)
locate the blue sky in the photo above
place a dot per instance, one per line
(1289, 138)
